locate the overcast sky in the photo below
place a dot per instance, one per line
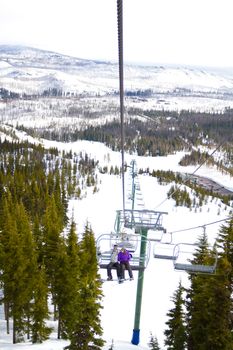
(191, 32)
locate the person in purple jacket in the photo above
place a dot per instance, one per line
(124, 257)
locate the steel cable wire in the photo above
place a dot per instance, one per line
(121, 88)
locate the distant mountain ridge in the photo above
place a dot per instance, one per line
(29, 70)
(24, 55)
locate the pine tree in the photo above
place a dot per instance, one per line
(68, 285)
(25, 232)
(8, 228)
(60, 199)
(52, 228)
(218, 297)
(29, 259)
(14, 277)
(175, 333)
(87, 331)
(197, 311)
(207, 327)
(153, 343)
(19, 266)
(39, 309)
(38, 238)
(112, 345)
(220, 289)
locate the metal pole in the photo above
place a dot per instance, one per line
(136, 330)
(117, 223)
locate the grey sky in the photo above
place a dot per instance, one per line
(192, 32)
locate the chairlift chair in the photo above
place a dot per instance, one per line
(183, 260)
(137, 262)
(126, 238)
(164, 248)
(164, 251)
(157, 235)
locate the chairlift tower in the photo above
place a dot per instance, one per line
(141, 221)
(133, 174)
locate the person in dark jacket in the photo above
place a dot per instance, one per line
(124, 257)
(113, 263)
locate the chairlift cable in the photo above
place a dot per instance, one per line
(199, 226)
(121, 88)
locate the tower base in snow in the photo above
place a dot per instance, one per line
(135, 338)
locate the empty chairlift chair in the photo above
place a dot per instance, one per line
(184, 260)
(125, 238)
(164, 248)
(164, 251)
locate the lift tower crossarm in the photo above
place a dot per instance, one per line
(147, 219)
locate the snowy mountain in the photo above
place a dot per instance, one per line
(29, 70)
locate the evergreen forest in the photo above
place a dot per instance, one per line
(43, 260)
(152, 132)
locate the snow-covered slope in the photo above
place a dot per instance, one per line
(32, 70)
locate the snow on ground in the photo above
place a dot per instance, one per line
(160, 279)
